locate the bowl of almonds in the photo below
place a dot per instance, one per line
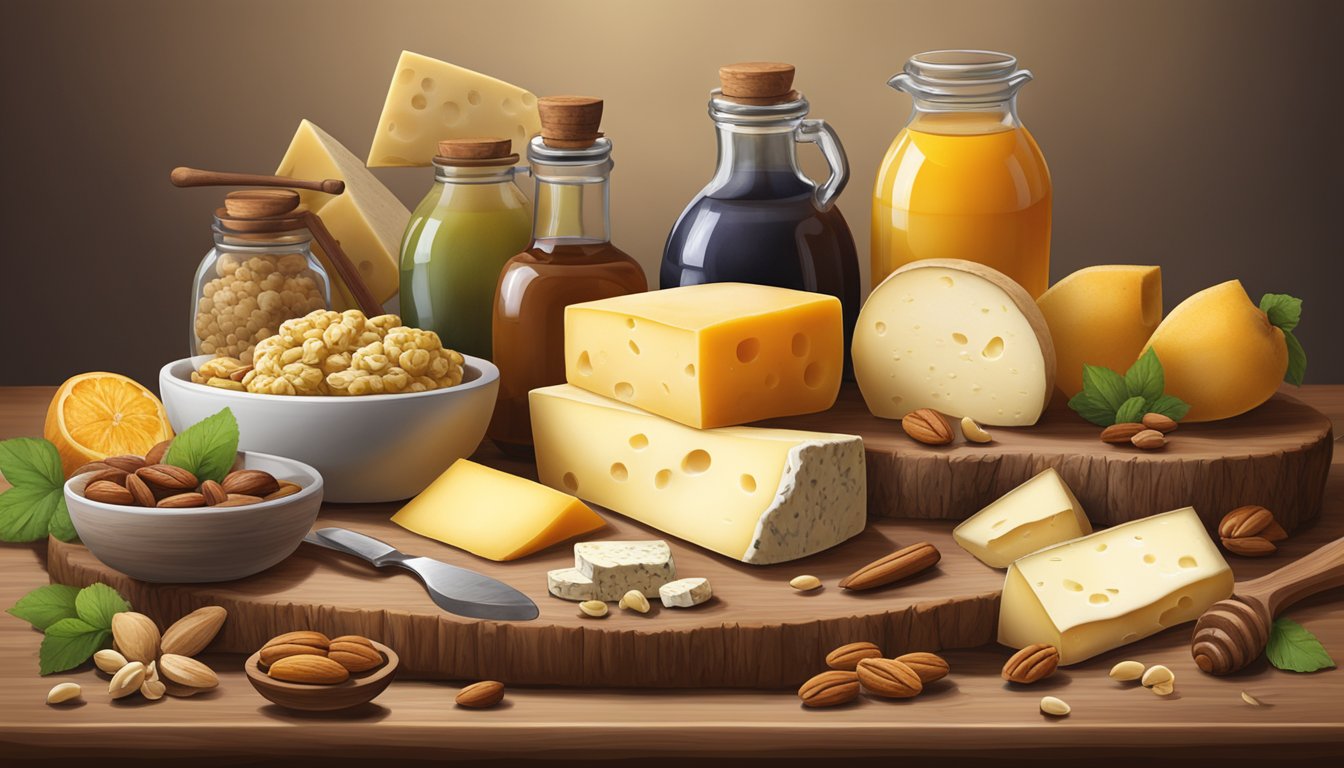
(309, 671)
(160, 523)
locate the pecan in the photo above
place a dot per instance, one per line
(927, 426)
(1031, 664)
(830, 688)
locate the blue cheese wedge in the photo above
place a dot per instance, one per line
(685, 593)
(570, 584)
(616, 567)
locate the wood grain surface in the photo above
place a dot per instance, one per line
(1278, 455)
(972, 713)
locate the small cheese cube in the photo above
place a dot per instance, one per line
(570, 584)
(616, 567)
(756, 495)
(1113, 587)
(685, 593)
(711, 355)
(957, 337)
(1036, 514)
(494, 514)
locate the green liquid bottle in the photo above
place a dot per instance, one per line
(474, 219)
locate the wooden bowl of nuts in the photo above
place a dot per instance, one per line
(154, 523)
(307, 671)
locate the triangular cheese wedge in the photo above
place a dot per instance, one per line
(1034, 515)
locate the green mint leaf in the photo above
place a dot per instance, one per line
(1105, 386)
(1170, 406)
(1284, 311)
(1292, 648)
(97, 603)
(69, 643)
(207, 448)
(60, 525)
(26, 513)
(35, 506)
(28, 462)
(1098, 413)
(47, 605)
(1144, 379)
(1131, 410)
(1297, 360)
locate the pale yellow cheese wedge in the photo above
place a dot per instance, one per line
(494, 514)
(1034, 515)
(1101, 316)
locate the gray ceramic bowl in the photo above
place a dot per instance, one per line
(201, 543)
(369, 449)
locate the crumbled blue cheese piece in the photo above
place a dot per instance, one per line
(616, 567)
(685, 593)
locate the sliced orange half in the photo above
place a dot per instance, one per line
(96, 415)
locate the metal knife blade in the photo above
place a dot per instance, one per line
(456, 590)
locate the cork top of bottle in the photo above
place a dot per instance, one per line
(570, 122)
(476, 151)
(758, 82)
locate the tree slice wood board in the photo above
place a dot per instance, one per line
(1277, 455)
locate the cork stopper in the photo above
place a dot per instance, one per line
(758, 82)
(475, 148)
(570, 122)
(260, 203)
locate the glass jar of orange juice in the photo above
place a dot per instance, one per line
(964, 179)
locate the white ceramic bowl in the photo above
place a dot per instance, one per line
(370, 448)
(201, 543)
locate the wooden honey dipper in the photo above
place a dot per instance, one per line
(1234, 632)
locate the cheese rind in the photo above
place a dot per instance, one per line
(1102, 316)
(709, 355)
(523, 517)
(431, 100)
(957, 337)
(685, 593)
(1113, 587)
(1038, 513)
(757, 495)
(570, 584)
(367, 219)
(616, 567)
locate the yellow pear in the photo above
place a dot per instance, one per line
(1103, 316)
(1219, 353)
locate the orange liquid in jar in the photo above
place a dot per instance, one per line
(962, 185)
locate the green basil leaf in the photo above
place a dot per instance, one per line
(1098, 413)
(31, 462)
(1170, 406)
(1284, 311)
(26, 512)
(97, 603)
(60, 525)
(47, 605)
(1104, 386)
(207, 448)
(1144, 378)
(1294, 649)
(69, 643)
(1131, 410)
(1297, 360)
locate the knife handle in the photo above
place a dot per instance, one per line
(378, 552)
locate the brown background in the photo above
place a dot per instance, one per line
(1202, 136)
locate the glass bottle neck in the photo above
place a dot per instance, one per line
(757, 162)
(572, 212)
(964, 118)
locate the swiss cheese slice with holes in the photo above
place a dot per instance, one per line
(431, 100)
(955, 336)
(1113, 587)
(710, 355)
(756, 495)
(1034, 515)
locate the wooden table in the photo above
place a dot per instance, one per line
(972, 713)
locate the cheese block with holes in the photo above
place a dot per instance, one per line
(1113, 587)
(431, 100)
(957, 337)
(756, 495)
(1036, 514)
(366, 219)
(711, 355)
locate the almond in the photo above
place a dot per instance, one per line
(63, 692)
(805, 583)
(190, 634)
(1149, 440)
(927, 426)
(156, 454)
(974, 433)
(92, 466)
(830, 688)
(126, 463)
(109, 474)
(928, 666)
(187, 671)
(482, 695)
(1159, 422)
(182, 501)
(294, 644)
(1249, 520)
(140, 492)
(127, 680)
(214, 493)
(240, 374)
(286, 489)
(889, 679)
(1031, 664)
(168, 477)
(153, 689)
(179, 691)
(109, 661)
(1122, 432)
(1055, 707)
(1250, 546)
(309, 668)
(108, 492)
(239, 500)
(251, 482)
(355, 653)
(1127, 671)
(901, 564)
(136, 636)
(848, 656)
